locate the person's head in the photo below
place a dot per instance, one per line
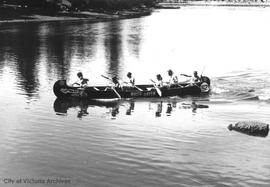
(129, 75)
(170, 72)
(195, 73)
(159, 77)
(80, 75)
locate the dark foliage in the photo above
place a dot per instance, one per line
(85, 4)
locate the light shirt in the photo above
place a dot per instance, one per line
(82, 82)
(173, 79)
(195, 79)
(131, 82)
(159, 83)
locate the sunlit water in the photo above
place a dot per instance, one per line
(145, 142)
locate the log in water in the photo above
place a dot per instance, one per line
(253, 128)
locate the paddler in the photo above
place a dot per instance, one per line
(172, 78)
(159, 81)
(131, 80)
(195, 78)
(82, 82)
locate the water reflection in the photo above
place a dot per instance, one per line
(169, 109)
(130, 108)
(65, 44)
(134, 37)
(55, 50)
(113, 107)
(193, 106)
(159, 109)
(62, 105)
(113, 48)
(24, 48)
(29, 49)
(114, 111)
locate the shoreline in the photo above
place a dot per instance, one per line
(91, 16)
(213, 3)
(97, 16)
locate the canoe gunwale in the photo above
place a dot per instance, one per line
(62, 90)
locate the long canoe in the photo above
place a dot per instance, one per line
(62, 90)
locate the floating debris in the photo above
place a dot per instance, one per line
(253, 128)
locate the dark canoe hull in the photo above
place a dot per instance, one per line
(62, 90)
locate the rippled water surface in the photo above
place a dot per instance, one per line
(137, 142)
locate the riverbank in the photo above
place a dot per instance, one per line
(18, 14)
(24, 16)
(214, 3)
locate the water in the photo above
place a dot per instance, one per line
(143, 142)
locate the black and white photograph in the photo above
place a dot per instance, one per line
(134, 93)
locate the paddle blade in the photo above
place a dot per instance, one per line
(138, 88)
(118, 95)
(105, 77)
(158, 91)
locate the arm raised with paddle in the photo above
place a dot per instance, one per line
(115, 81)
(157, 89)
(131, 82)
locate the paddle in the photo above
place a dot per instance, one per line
(106, 77)
(185, 75)
(203, 70)
(157, 89)
(135, 87)
(138, 88)
(95, 88)
(118, 95)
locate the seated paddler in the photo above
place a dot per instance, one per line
(172, 78)
(159, 81)
(114, 83)
(195, 78)
(82, 82)
(131, 80)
